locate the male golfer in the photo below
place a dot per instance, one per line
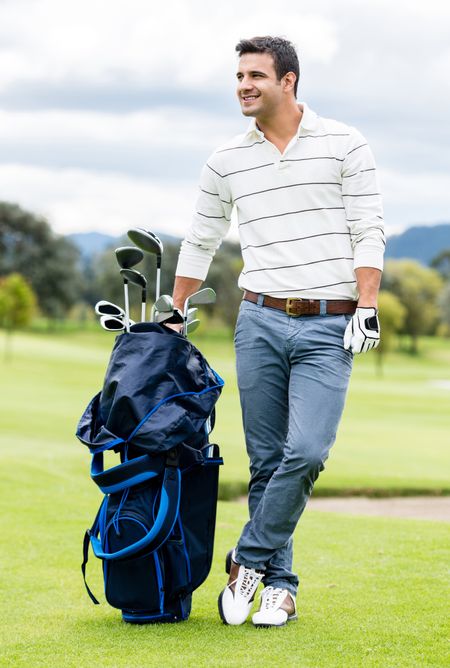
(311, 233)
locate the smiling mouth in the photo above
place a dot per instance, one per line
(249, 98)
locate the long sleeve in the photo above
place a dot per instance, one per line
(209, 226)
(363, 205)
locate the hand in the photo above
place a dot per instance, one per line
(177, 327)
(363, 331)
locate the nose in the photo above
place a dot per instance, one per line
(244, 85)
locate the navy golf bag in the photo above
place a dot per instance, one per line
(154, 531)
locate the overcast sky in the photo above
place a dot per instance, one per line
(109, 108)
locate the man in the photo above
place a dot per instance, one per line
(311, 233)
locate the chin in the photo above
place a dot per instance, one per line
(249, 112)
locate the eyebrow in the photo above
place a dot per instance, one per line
(253, 72)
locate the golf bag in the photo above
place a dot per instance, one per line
(154, 531)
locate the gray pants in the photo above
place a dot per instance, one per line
(293, 374)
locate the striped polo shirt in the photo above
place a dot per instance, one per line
(307, 218)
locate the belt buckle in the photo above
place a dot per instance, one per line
(290, 301)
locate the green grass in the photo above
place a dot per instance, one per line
(393, 438)
(373, 590)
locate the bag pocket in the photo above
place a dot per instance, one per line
(177, 574)
(136, 583)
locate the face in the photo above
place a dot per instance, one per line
(258, 90)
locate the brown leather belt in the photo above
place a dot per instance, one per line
(295, 306)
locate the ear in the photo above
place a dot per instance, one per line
(289, 80)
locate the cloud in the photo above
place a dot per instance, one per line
(103, 41)
(412, 199)
(108, 109)
(78, 201)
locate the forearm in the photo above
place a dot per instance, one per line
(183, 288)
(368, 281)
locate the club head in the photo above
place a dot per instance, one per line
(192, 314)
(173, 318)
(112, 324)
(192, 326)
(204, 296)
(164, 304)
(104, 307)
(148, 241)
(134, 276)
(128, 256)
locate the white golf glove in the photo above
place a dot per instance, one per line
(363, 331)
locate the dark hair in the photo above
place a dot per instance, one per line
(284, 55)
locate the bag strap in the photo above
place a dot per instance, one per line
(165, 519)
(86, 542)
(129, 473)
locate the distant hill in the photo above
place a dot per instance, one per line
(91, 243)
(421, 243)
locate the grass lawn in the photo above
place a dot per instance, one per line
(372, 594)
(373, 590)
(393, 438)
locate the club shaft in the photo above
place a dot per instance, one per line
(127, 305)
(158, 283)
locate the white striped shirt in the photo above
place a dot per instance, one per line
(307, 218)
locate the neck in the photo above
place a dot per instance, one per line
(282, 124)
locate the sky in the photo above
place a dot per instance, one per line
(109, 108)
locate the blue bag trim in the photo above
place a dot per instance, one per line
(118, 441)
(167, 515)
(172, 396)
(128, 474)
(138, 617)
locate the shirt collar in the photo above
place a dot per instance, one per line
(307, 122)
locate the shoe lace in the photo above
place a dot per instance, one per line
(271, 597)
(249, 582)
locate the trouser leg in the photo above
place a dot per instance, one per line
(319, 374)
(263, 370)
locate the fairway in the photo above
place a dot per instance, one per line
(373, 591)
(393, 439)
(372, 594)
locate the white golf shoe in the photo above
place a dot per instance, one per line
(235, 601)
(277, 608)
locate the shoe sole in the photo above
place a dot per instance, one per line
(219, 603)
(292, 618)
(219, 600)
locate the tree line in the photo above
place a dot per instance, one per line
(43, 273)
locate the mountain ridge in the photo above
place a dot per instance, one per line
(419, 242)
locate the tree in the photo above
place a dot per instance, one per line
(392, 315)
(417, 288)
(444, 306)
(17, 304)
(47, 261)
(442, 263)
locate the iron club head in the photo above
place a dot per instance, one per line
(104, 307)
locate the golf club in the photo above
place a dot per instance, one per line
(150, 243)
(192, 326)
(104, 307)
(135, 277)
(112, 324)
(174, 317)
(127, 257)
(162, 305)
(204, 296)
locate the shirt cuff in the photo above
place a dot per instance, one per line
(368, 258)
(193, 267)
